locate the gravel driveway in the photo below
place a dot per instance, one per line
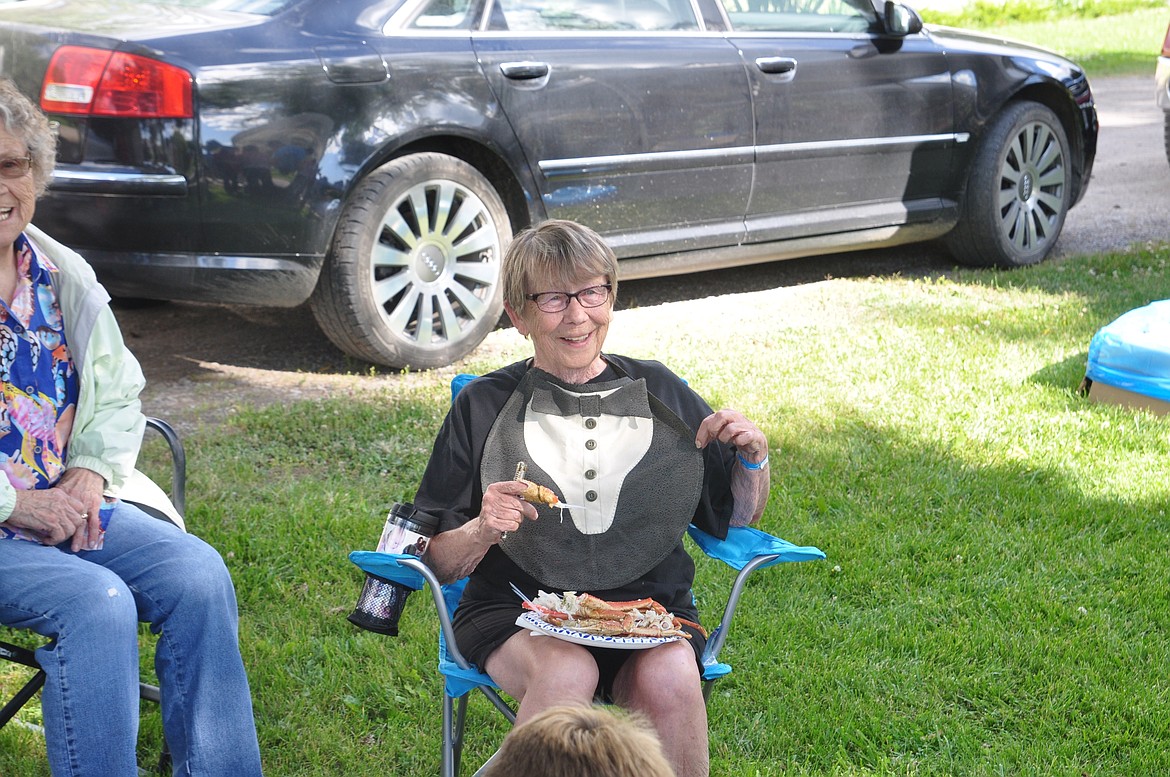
(1128, 199)
(200, 360)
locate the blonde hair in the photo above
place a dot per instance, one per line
(22, 118)
(581, 742)
(559, 251)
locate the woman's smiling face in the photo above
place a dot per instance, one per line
(568, 343)
(18, 196)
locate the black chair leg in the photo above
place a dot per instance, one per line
(21, 698)
(27, 658)
(151, 693)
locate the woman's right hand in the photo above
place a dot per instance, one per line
(51, 514)
(455, 554)
(502, 510)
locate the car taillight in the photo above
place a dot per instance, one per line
(97, 82)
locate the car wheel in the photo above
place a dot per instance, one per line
(1018, 191)
(413, 277)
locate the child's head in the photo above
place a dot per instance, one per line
(582, 742)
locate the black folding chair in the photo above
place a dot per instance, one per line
(171, 509)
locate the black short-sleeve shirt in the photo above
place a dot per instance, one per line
(451, 491)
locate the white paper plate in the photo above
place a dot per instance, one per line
(530, 621)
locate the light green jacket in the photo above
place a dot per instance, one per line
(108, 425)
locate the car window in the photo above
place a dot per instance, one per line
(444, 15)
(801, 15)
(265, 7)
(643, 15)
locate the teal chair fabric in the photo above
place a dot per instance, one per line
(745, 549)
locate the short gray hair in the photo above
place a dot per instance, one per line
(559, 250)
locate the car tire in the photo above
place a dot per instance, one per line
(413, 276)
(1019, 190)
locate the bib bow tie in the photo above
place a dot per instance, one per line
(629, 400)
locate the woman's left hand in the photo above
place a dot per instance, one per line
(749, 484)
(731, 426)
(86, 486)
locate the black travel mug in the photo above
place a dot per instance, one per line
(407, 530)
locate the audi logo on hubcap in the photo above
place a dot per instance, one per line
(430, 263)
(1026, 187)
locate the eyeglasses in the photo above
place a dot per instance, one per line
(15, 166)
(556, 301)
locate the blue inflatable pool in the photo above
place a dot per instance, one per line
(1133, 352)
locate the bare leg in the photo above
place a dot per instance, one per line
(663, 684)
(540, 672)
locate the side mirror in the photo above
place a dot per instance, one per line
(901, 20)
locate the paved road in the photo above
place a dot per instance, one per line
(1127, 202)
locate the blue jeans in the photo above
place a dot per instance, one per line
(90, 604)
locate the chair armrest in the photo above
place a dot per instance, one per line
(391, 567)
(178, 462)
(412, 572)
(719, 635)
(745, 549)
(745, 544)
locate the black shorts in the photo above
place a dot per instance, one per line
(482, 626)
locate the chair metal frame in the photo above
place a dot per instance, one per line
(461, 676)
(27, 657)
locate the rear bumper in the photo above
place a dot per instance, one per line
(144, 235)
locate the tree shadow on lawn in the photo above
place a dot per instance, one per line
(968, 614)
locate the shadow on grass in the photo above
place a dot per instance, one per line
(971, 616)
(1064, 374)
(977, 612)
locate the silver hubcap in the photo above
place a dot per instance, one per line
(1032, 187)
(436, 263)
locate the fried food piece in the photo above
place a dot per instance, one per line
(538, 494)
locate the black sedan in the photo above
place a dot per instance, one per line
(374, 157)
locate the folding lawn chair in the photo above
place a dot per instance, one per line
(144, 494)
(746, 549)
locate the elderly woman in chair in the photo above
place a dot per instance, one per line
(627, 442)
(77, 564)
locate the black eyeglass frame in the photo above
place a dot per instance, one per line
(570, 296)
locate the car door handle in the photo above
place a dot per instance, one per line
(524, 71)
(776, 65)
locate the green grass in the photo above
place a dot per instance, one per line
(1106, 38)
(995, 595)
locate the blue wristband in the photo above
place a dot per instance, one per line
(748, 465)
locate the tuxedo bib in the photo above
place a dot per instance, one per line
(625, 461)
